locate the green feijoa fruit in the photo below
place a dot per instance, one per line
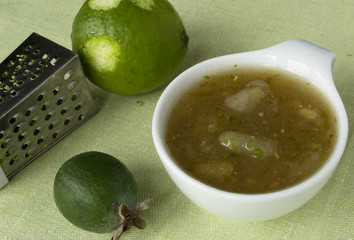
(96, 192)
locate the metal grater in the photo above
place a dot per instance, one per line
(43, 97)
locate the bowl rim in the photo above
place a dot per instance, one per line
(161, 115)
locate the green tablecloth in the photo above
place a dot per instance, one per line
(122, 127)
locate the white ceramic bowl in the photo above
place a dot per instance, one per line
(298, 56)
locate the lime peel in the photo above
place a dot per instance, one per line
(144, 4)
(145, 41)
(102, 52)
(103, 4)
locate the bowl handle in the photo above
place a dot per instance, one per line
(317, 58)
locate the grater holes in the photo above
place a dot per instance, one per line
(11, 63)
(31, 62)
(8, 153)
(63, 111)
(28, 48)
(78, 107)
(19, 82)
(18, 68)
(60, 101)
(55, 135)
(34, 60)
(81, 117)
(12, 162)
(16, 129)
(5, 143)
(24, 146)
(40, 66)
(39, 116)
(40, 97)
(72, 85)
(36, 132)
(26, 72)
(44, 107)
(1, 135)
(68, 74)
(51, 126)
(4, 74)
(28, 155)
(5, 88)
(67, 121)
(40, 141)
(36, 51)
(75, 96)
(28, 113)
(48, 117)
(13, 93)
(21, 137)
(32, 122)
(56, 91)
(34, 76)
(12, 120)
(53, 61)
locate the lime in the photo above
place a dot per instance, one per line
(129, 46)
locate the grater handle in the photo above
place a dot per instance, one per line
(3, 178)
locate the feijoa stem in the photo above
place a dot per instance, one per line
(130, 217)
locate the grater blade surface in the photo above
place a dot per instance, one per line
(44, 96)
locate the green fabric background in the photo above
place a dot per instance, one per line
(122, 127)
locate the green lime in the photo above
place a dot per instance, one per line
(97, 192)
(129, 46)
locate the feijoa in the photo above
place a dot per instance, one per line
(97, 192)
